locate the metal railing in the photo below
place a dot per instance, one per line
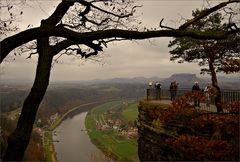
(154, 94)
(228, 96)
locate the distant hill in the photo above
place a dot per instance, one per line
(224, 79)
(141, 80)
(229, 79)
(185, 80)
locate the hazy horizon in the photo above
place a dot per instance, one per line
(129, 77)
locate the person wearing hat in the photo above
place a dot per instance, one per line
(196, 89)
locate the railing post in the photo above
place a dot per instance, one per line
(158, 94)
(148, 94)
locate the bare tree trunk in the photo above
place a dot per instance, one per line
(217, 90)
(19, 139)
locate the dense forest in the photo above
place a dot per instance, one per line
(60, 96)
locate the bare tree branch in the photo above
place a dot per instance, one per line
(51, 29)
(56, 59)
(206, 12)
(113, 14)
(60, 11)
(162, 26)
(30, 55)
(8, 44)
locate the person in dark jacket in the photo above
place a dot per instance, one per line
(173, 90)
(158, 90)
(196, 90)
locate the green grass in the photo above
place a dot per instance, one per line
(131, 112)
(107, 106)
(125, 149)
(122, 149)
(48, 146)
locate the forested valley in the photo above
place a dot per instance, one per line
(59, 98)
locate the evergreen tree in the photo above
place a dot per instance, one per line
(211, 55)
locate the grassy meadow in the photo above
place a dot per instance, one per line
(108, 140)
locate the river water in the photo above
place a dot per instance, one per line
(74, 143)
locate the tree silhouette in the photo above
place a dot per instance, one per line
(213, 53)
(10, 12)
(77, 23)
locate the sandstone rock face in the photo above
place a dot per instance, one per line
(186, 134)
(152, 136)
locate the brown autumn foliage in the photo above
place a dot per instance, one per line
(203, 135)
(34, 150)
(201, 148)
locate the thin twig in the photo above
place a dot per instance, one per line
(167, 27)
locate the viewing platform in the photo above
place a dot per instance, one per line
(229, 96)
(183, 132)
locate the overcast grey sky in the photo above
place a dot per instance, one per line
(123, 59)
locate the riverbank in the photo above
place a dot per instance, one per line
(111, 128)
(47, 138)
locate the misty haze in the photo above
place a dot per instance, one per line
(119, 80)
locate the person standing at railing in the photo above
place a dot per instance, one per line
(207, 90)
(149, 89)
(158, 90)
(196, 90)
(173, 90)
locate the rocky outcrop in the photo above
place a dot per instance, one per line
(152, 135)
(168, 133)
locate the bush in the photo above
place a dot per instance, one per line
(201, 135)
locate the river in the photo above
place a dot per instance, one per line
(74, 143)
